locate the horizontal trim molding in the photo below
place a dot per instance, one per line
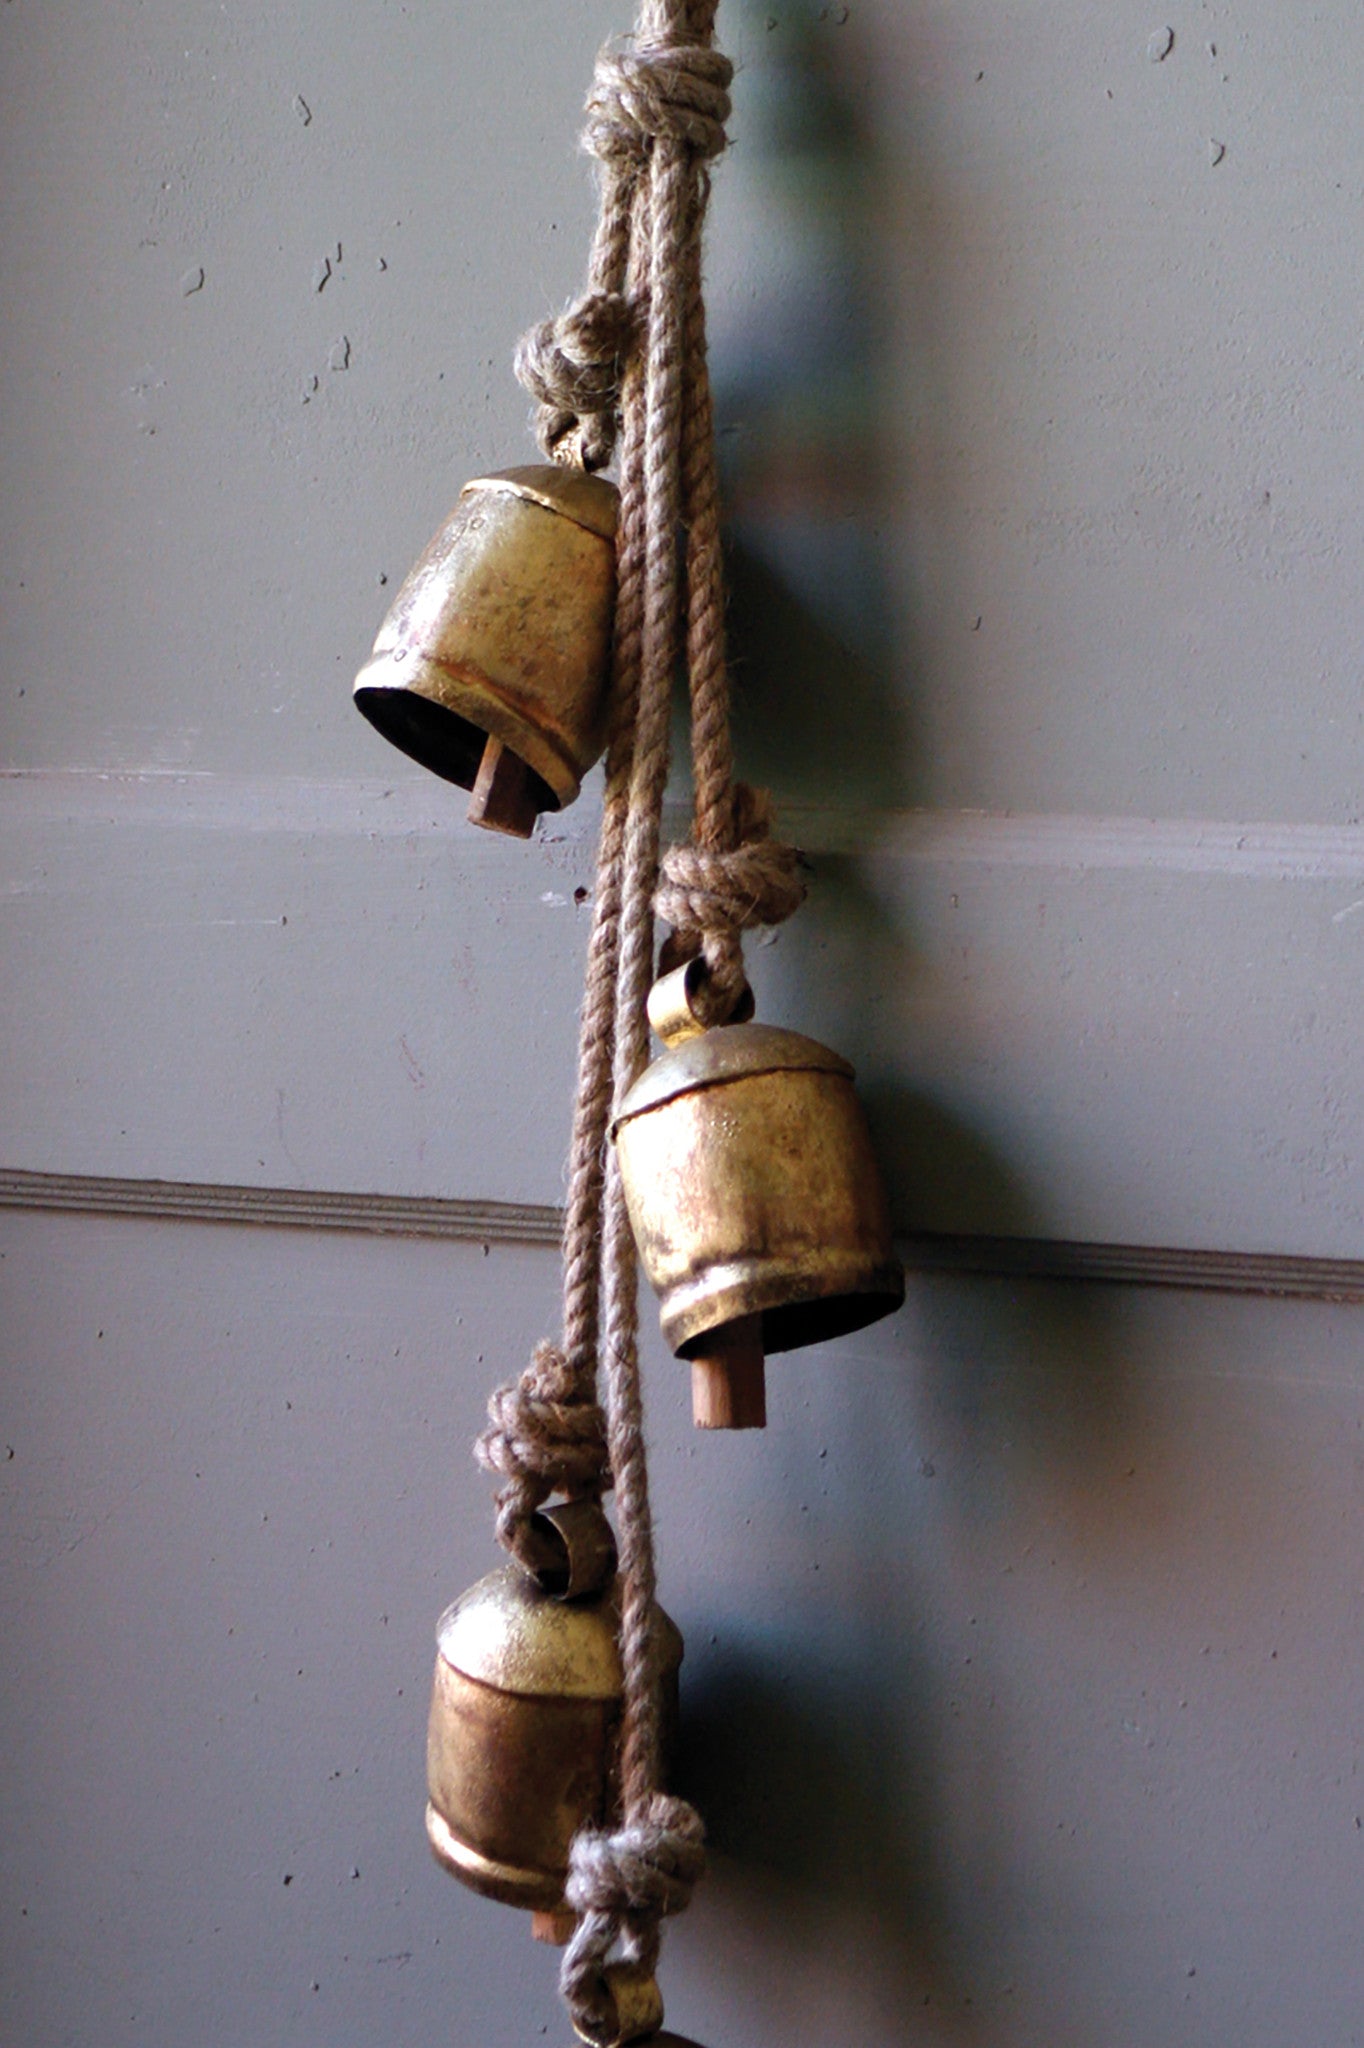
(400, 806)
(175, 1201)
(1115, 1030)
(1258, 1273)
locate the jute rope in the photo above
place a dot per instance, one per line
(623, 372)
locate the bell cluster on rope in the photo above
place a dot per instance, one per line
(543, 627)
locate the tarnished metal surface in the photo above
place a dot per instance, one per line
(577, 1548)
(507, 1632)
(732, 1052)
(509, 1781)
(674, 1003)
(753, 1190)
(637, 2012)
(503, 629)
(589, 501)
(521, 1738)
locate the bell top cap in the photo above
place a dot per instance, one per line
(508, 1633)
(589, 501)
(730, 1052)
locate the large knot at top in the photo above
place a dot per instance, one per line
(678, 90)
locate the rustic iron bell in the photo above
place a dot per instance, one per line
(522, 1736)
(755, 1199)
(493, 664)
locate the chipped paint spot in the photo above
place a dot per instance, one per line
(1160, 44)
(192, 281)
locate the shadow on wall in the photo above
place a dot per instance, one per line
(822, 474)
(823, 667)
(831, 1796)
(817, 1776)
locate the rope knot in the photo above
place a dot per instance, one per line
(543, 1437)
(621, 1884)
(711, 896)
(572, 366)
(678, 91)
(649, 1867)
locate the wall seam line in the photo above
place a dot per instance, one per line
(1282, 1274)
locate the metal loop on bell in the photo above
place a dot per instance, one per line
(635, 2008)
(575, 1547)
(676, 1003)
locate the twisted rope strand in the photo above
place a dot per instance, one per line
(623, 1881)
(654, 1862)
(733, 875)
(597, 1037)
(626, 361)
(572, 364)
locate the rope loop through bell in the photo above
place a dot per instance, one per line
(543, 1437)
(572, 367)
(709, 895)
(621, 1883)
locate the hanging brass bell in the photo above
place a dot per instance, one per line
(755, 1200)
(493, 665)
(522, 1735)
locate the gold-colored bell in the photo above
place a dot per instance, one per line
(755, 1199)
(493, 664)
(522, 1735)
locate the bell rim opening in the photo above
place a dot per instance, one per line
(815, 1315)
(439, 739)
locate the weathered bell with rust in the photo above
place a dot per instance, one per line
(493, 664)
(522, 1735)
(755, 1199)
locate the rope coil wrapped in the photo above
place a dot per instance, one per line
(677, 91)
(543, 1438)
(572, 366)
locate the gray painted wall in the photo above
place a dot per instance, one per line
(1023, 1684)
